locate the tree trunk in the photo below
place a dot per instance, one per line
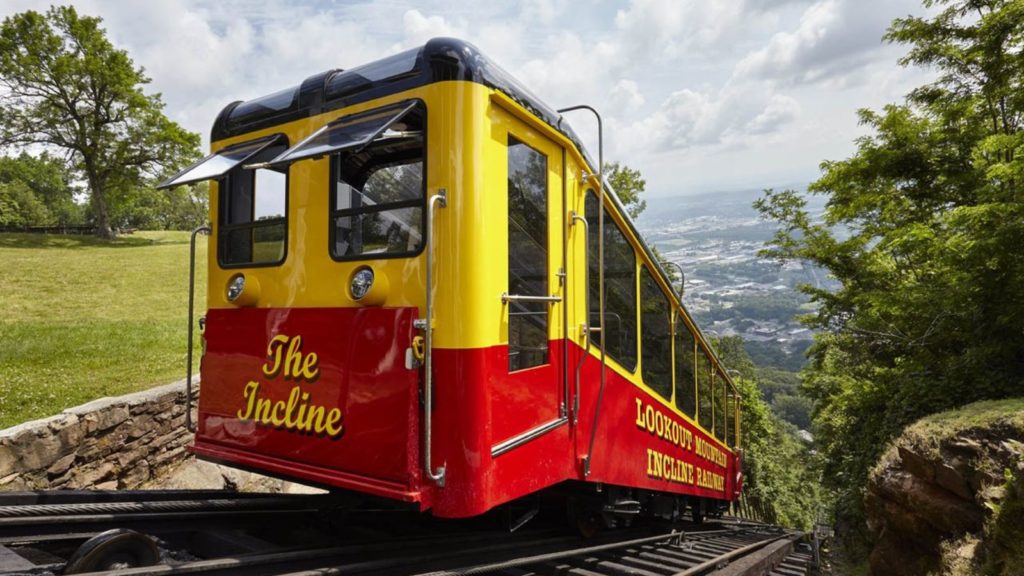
(99, 206)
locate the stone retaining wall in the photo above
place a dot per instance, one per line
(110, 443)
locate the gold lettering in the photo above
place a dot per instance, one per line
(333, 426)
(640, 414)
(270, 370)
(316, 412)
(263, 408)
(285, 359)
(279, 406)
(251, 389)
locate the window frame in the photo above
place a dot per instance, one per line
(669, 306)
(602, 212)
(224, 185)
(682, 331)
(511, 139)
(334, 158)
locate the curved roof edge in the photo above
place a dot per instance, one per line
(439, 60)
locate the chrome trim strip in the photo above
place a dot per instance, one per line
(501, 448)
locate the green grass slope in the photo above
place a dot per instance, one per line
(84, 318)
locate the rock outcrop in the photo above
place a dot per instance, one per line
(939, 486)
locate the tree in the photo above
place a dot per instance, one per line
(65, 87)
(48, 179)
(931, 210)
(628, 186)
(779, 471)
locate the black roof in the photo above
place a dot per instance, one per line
(438, 60)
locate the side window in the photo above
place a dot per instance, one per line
(704, 399)
(686, 398)
(619, 286)
(720, 423)
(527, 255)
(378, 189)
(733, 412)
(253, 207)
(656, 341)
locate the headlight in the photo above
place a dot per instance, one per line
(235, 287)
(362, 281)
(243, 291)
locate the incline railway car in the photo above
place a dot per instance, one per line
(419, 289)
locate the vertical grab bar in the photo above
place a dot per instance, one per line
(586, 326)
(600, 276)
(189, 425)
(428, 328)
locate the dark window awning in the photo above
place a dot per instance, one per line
(350, 133)
(219, 163)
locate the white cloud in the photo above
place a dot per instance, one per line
(672, 28)
(769, 86)
(417, 28)
(834, 38)
(626, 97)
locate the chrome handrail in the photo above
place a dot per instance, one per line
(441, 198)
(506, 298)
(189, 425)
(586, 325)
(600, 273)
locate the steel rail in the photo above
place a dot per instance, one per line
(680, 541)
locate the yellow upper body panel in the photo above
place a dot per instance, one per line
(468, 127)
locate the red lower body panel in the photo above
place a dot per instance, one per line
(321, 395)
(325, 396)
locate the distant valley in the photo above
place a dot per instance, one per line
(729, 289)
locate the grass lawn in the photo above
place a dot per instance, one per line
(84, 318)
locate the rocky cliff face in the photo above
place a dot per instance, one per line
(934, 500)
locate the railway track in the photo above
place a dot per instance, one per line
(213, 533)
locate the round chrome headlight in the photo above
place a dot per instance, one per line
(362, 281)
(235, 287)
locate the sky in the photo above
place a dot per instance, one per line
(699, 95)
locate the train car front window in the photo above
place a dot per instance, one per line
(253, 205)
(378, 186)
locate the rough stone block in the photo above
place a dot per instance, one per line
(949, 478)
(917, 465)
(39, 452)
(15, 482)
(167, 457)
(60, 466)
(109, 485)
(167, 439)
(135, 476)
(140, 426)
(106, 418)
(9, 462)
(88, 476)
(127, 457)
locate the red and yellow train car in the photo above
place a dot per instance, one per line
(420, 290)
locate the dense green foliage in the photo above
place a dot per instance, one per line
(930, 306)
(780, 471)
(628, 186)
(40, 192)
(67, 88)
